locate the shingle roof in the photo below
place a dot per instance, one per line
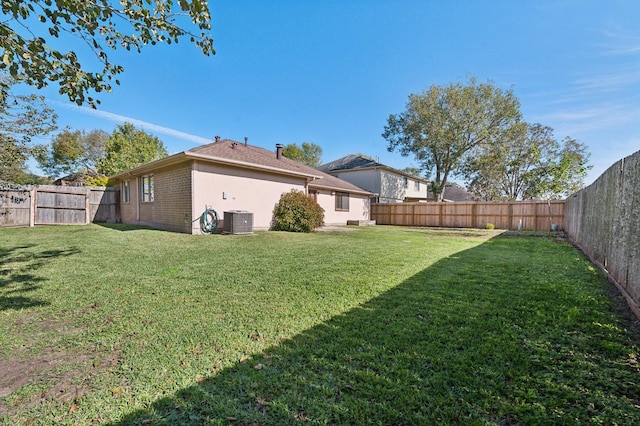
(357, 162)
(349, 162)
(233, 150)
(253, 157)
(454, 193)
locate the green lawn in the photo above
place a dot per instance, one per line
(382, 325)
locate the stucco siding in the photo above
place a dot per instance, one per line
(225, 188)
(412, 193)
(358, 208)
(391, 187)
(365, 179)
(387, 185)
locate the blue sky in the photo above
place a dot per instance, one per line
(331, 72)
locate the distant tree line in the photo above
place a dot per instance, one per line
(23, 118)
(476, 131)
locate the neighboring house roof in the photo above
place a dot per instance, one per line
(355, 162)
(251, 157)
(455, 193)
(77, 179)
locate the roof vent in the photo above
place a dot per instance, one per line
(246, 141)
(279, 150)
(217, 138)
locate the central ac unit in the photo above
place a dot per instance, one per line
(238, 222)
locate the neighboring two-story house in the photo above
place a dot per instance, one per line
(388, 184)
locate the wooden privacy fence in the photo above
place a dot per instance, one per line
(54, 205)
(526, 215)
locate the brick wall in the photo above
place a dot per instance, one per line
(129, 211)
(171, 207)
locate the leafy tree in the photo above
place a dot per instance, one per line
(128, 147)
(528, 164)
(93, 144)
(72, 151)
(443, 124)
(35, 35)
(22, 117)
(308, 153)
(365, 156)
(413, 171)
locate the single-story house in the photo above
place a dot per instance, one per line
(173, 192)
(388, 184)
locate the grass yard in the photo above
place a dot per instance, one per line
(382, 325)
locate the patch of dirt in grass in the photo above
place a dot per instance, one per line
(629, 321)
(64, 375)
(336, 229)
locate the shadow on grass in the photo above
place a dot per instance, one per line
(122, 226)
(484, 336)
(18, 274)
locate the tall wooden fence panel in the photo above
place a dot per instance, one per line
(54, 205)
(104, 204)
(62, 205)
(526, 215)
(16, 206)
(604, 220)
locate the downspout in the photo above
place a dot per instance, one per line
(379, 183)
(137, 200)
(306, 185)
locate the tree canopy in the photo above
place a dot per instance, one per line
(128, 147)
(309, 153)
(441, 125)
(413, 171)
(22, 118)
(35, 35)
(528, 164)
(72, 151)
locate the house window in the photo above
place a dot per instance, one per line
(126, 194)
(147, 188)
(416, 186)
(313, 194)
(342, 201)
(405, 182)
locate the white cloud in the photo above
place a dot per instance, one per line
(587, 118)
(609, 82)
(117, 118)
(621, 43)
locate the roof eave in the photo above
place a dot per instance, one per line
(186, 155)
(248, 165)
(315, 184)
(163, 162)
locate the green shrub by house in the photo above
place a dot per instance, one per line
(295, 212)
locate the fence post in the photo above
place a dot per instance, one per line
(474, 215)
(87, 207)
(510, 216)
(33, 212)
(413, 215)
